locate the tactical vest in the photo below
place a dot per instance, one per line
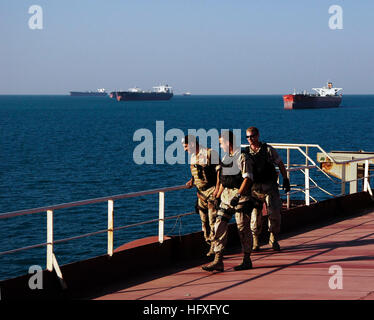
(205, 176)
(230, 181)
(263, 168)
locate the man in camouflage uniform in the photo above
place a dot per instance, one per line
(235, 181)
(203, 164)
(265, 187)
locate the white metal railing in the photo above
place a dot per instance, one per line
(51, 261)
(306, 170)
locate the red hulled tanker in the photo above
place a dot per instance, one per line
(326, 97)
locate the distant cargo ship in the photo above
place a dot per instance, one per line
(187, 93)
(326, 97)
(135, 94)
(97, 93)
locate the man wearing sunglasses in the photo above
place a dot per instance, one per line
(265, 187)
(203, 164)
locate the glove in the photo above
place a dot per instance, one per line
(234, 201)
(286, 185)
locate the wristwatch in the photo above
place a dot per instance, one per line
(238, 195)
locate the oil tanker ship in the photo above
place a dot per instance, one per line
(162, 92)
(326, 97)
(97, 93)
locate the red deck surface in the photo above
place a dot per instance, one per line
(299, 271)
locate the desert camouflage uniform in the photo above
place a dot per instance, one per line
(267, 192)
(205, 177)
(226, 211)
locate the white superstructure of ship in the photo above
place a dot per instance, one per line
(327, 90)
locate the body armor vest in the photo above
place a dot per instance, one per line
(205, 176)
(263, 169)
(230, 181)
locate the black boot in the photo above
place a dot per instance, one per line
(274, 242)
(246, 264)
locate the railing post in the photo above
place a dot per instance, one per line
(352, 177)
(343, 178)
(161, 217)
(110, 226)
(288, 176)
(50, 240)
(366, 176)
(307, 186)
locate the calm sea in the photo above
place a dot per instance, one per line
(58, 149)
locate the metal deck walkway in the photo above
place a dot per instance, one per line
(299, 271)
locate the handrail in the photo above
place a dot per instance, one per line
(89, 201)
(51, 261)
(94, 233)
(298, 147)
(319, 148)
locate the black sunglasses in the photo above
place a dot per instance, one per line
(252, 136)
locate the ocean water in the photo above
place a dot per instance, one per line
(58, 149)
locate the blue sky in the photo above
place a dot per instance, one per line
(202, 46)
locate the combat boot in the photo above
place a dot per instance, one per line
(246, 264)
(216, 264)
(255, 246)
(273, 241)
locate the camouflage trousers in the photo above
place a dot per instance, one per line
(207, 212)
(268, 194)
(225, 212)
